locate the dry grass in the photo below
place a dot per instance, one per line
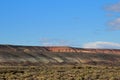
(57, 72)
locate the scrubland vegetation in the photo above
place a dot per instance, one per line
(35, 63)
(60, 72)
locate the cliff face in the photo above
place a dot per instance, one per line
(57, 55)
(61, 49)
(81, 50)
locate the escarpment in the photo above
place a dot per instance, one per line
(12, 54)
(60, 49)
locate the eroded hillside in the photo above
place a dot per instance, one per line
(26, 55)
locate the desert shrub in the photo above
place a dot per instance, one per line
(60, 72)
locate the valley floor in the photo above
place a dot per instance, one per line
(59, 72)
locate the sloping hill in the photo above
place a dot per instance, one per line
(28, 55)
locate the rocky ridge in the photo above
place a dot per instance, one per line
(26, 55)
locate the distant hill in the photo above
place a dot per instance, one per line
(37, 55)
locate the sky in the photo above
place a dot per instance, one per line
(80, 23)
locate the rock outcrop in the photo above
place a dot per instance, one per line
(61, 49)
(11, 54)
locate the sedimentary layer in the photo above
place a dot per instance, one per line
(11, 54)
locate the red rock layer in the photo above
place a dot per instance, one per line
(11, 48)
(82, 50)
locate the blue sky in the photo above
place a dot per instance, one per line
(58, 22)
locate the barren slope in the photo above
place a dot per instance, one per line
(43, 55)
